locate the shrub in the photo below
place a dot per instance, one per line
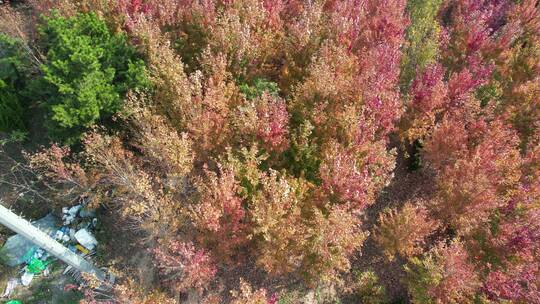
(331, 239)
(53, 163)
(367, 288)
(272, 122)
(246, 295)
(172, 88)
(214, 96)
(169, 151)
(508, 247)
(87, 73)
(422, 39)
(349, 124)
(474, 29)
(277, 224)
(444, 275)
(356, 176)
(184, 267)
(219, 215)
(475, 170)
(516, 285)
(477, 43)
(139, 194)
(403, 231)
(427, 99)
(519, 71)
(245, 34)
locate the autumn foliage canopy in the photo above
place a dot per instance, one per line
(263, 134)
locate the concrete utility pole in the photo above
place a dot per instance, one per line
(42, 240)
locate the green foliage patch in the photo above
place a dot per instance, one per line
(259, 86)
(89, 70)
(422, 39)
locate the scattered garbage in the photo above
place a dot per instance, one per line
(76, 233)
(82, 249)
(36, 265)
(86, 239)
(18, 250)
(14, 302)
(73, 211)
(12, 283)
(27, 278)
(69, 215)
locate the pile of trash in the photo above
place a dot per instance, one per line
(76, 233)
